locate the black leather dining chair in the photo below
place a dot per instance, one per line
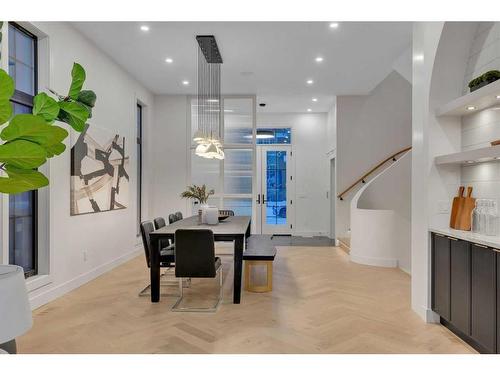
(159, 222)
(195, 258)
(172, 218)
(178, 215)
(167, 254)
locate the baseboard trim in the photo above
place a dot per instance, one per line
(379, 262)
(41, 298)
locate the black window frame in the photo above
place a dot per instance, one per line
(25, 99)
(139, 125)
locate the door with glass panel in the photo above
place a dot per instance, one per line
(274, 189)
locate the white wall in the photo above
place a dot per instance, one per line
(311, 175)
(331, 130)
(484, 52)
(108, 238)
(168, 152)
(369, 129)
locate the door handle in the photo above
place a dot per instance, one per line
(263, 199)
(258, 199)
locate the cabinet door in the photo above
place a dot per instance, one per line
(484, 297)
(441, 276)
(460, 277)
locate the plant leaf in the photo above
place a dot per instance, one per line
(73, 114)
(22, 154)
(46, 107)
(6, 86)
(22, 180)
(33, 128)
(5, 111)
(77, 80)
(55, 149)
(87, 97)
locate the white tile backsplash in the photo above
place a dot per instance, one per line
(480, 128)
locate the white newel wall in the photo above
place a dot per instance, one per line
(107, 238)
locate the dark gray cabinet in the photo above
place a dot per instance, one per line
(484, 296)
(441, 276)
(460, 278)
(466, 290)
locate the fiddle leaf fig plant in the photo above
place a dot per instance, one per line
(30, 139)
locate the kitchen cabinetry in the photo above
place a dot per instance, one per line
(466, 290)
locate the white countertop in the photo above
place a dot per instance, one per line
(481, 239)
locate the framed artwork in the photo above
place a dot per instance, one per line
(99, 177)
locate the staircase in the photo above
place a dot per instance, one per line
(380, 214)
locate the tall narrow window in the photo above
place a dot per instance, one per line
(139, 165)
(23, 207)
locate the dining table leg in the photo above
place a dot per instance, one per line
(154, 260)
(238, 266)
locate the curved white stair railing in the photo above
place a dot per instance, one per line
(380, 218)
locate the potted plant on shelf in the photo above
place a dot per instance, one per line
(484, 79)
(200, 194)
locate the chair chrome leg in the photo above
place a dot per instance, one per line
(164, 281)
(214, 308)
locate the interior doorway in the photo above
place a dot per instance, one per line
(333, 198)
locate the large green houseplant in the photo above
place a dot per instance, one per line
(29, 140)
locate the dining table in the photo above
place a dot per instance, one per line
(234, 228)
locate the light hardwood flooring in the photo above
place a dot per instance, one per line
(321, 303)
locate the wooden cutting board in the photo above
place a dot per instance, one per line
(455, 208)
(468, 203)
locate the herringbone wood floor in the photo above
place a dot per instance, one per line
(321, 303)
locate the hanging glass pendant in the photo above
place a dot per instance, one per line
(207, 136)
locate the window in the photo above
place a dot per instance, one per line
(231, 178)
(139, 166)
(268, 136)
(23, 216)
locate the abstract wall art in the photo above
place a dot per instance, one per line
(99, 177)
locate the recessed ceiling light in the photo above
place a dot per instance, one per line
(418, 57)
(185, 83)
(334, 25)
(498, 96)
(470, 161)
(309, 81)
(471, 108)
(168, 60)
(314, 99)
(309, 110)
(319, 59)
(145, 28)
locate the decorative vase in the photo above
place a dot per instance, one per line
(212, 215)
(202, 213)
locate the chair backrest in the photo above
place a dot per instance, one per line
(172, 218)
(178, 215)
(146, 228)
(159, 222)
(194, 253)
(226, 212)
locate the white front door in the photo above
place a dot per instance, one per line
(274, 189)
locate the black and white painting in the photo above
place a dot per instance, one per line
(99, 178)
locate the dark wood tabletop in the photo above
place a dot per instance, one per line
(234, 228)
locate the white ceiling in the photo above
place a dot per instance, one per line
(270, 59)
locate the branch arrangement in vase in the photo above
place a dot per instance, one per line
(199, 193)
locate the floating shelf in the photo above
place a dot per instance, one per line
(480, 99)
(480, 155)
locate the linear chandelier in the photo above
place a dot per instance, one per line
(207, 136)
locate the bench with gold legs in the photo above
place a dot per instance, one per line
(254, 257)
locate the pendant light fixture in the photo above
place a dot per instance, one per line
(207, 137)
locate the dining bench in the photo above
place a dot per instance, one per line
(259, 257)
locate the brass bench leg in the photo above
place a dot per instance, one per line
(258, 288)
